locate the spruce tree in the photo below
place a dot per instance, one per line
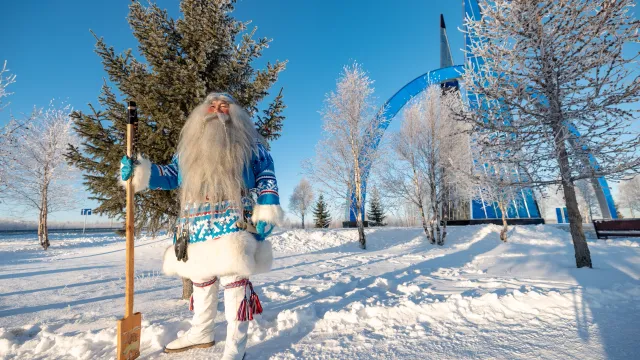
(269, 125)
(321, 215)
(376, 211)
(180, 62)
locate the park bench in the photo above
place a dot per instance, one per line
(623, 227)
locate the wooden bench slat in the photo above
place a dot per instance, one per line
(622, 227)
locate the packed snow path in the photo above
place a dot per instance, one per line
(402, 298)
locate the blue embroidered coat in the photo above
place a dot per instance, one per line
(206, 223)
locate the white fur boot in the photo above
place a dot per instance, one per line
(205, 306)
(236, 342)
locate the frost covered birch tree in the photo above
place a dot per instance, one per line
(301, 199)
(442, 146)
(40, 176)
(496, 186)
(7, 130)
(552, 85)
(588, 197)
(403, 178)
(342, 160)
(629, 195)
(428, 150)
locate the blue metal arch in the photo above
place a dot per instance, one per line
(393, 106)
(418, 85)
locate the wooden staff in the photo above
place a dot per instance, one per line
(129, 327)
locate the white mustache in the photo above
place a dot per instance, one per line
(218, 116)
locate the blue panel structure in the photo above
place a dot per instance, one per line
(478, 210)
(559, 215)
(607, 194)
(566, 215)
(530, 204)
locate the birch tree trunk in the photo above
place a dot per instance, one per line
(444, 229)
(505, 228)
(425, 225)
(435, 234)
(439, 239)
(444, 204)
(359, 201)
(583, 255)
(361, 237)
(43, 232)
(419, 203)
(432, 231)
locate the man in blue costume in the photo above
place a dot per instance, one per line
(230, 204)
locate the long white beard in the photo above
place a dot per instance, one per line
(212, 153)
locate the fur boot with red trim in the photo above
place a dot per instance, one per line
(204, 304)
(240, 305)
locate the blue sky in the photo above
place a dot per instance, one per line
(47, 44)
(49, 47)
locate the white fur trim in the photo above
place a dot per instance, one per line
(141, 175)
(272, 214)
(237, 253)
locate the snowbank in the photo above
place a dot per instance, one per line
(475, 297)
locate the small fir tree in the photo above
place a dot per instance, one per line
(376, 211)
(270, 124)
(321, 215)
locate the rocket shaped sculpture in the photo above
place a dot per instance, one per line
(446, 60)
(445, 50)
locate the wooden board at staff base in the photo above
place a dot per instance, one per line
(129, 329)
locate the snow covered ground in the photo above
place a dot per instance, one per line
(474, 298)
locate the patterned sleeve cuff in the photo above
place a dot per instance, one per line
(267, 184)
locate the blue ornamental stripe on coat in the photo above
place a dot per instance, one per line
(206, 224)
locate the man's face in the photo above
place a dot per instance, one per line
(218, 107)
